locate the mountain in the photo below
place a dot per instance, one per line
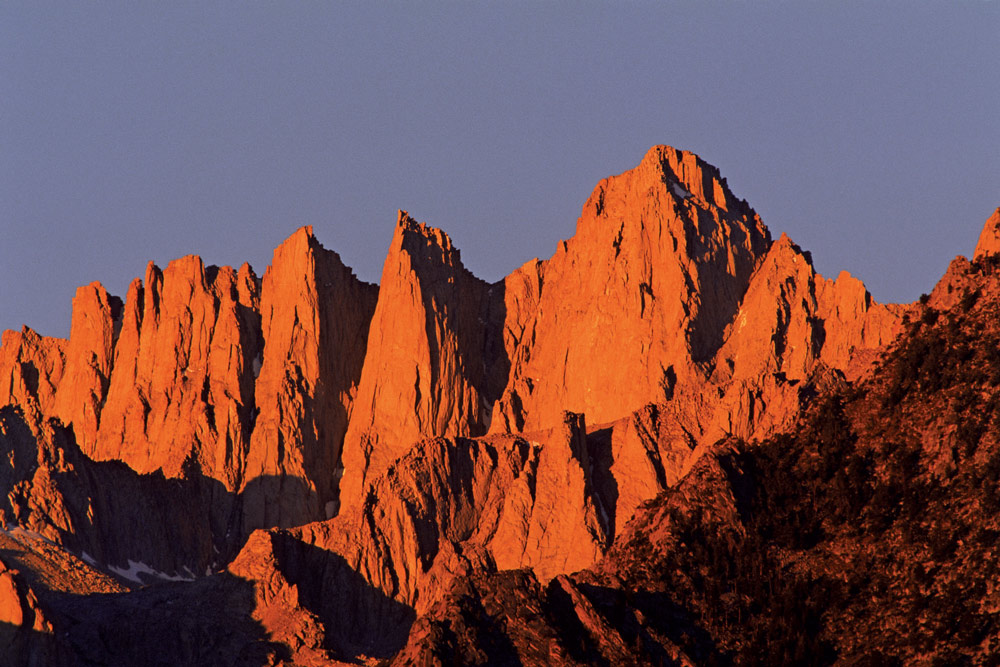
(671, 442)
(865, 535)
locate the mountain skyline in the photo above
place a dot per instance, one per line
(674, 441)
(133, 134)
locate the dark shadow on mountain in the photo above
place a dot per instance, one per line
(661, 617)
(580, 644)
(720, 298)
(30, 375)
(206, 622)
(272, 501)
(489, 635)
(343, 339)
(25, 646)
(601, 454)
(493, 319)
(359, 618)
(183, 526)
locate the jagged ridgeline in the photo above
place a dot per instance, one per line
(590, 460)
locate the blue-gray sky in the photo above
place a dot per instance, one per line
(131, 132)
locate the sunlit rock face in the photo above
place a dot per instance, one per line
(181, 387)
(429, 366)
(989, 238)
(638, 299)
(314, 318)
(31, 369)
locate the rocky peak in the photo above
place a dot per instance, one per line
(428, 365)
(687, 175)
(989, 238)
(31, 367)
(314, 318)
(424, 245)
(95, 326)
(638, 298)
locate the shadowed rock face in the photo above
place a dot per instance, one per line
(384, 473)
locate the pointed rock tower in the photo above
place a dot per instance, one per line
(315, 316)
(989, 238)
(428, 366)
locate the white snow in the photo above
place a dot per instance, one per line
(256, 366)
(87, 558)
(679, 191)
(138, 568)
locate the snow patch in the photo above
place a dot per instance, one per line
(136, 569)
(88, 559)
(679, 191)
(256, 366)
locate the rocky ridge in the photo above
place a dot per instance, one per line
(864, 535)
(399, 442)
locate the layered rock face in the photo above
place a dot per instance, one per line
(792, 324)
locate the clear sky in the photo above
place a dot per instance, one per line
(137, 131)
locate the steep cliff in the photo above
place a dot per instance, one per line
(315, 316)
(181, 387)
(427, 368)
(89, 355)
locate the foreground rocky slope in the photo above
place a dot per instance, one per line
(588, 461)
